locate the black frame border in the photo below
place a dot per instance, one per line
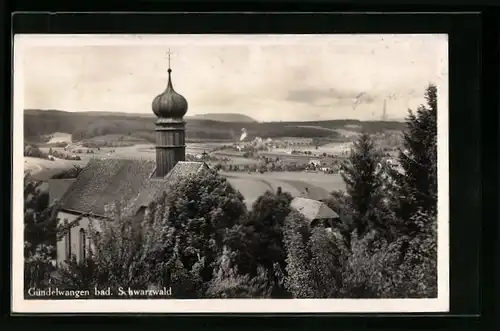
(465, 49)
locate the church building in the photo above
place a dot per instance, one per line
(136, 183)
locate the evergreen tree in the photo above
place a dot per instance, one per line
(417, 184)
(363, 184)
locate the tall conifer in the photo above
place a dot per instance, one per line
(417, 183)
(363, 183)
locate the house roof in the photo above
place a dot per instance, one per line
(314, 192)
(312, 209)
(57, 188)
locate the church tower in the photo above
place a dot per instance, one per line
(169, 108)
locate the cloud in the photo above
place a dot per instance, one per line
(328, 97)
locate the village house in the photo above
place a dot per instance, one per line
(317, 213)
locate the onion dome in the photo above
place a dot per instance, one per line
(170, 104)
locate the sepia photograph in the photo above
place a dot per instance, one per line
(176, 173)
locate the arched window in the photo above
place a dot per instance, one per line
(83, 249)
(68, 245)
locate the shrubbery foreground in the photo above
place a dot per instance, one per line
(201, 241)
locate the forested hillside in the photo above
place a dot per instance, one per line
(88, 124)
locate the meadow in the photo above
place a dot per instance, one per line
(314, 185)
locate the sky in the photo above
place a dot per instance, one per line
(269, 78)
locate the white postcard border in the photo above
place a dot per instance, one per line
(21, 305)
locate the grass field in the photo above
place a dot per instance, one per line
(255, 184)
(42, 169)
(58, 137)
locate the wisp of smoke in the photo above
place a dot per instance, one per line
(243, 134)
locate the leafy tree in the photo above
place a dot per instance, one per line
(265, 230)
(363, 184)
(299, 279)
(327, 258)
(403, 268)
(417, 184)
(40, 228)
(199, 212)
(228, 283)
(177, 244)
(34, 151)
(315, 259)
(340, 203)
(118, 254)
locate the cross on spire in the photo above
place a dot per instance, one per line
(169, 54)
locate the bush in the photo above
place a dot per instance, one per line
(34, 151)
(405, 268)
(117, 257)
(228, 283)
(38, 266)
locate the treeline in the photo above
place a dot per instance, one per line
(88, 125)
(201, 241)
(34, 151)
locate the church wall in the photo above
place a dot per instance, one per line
(76, 245)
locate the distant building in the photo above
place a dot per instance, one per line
(315, 162)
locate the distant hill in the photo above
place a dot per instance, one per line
(46, 112)
(238, 118)
(220, 117)
(86, 125)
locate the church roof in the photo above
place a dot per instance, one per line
(154, 187)
(58, 187)
(313, 209)
(104, 181)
